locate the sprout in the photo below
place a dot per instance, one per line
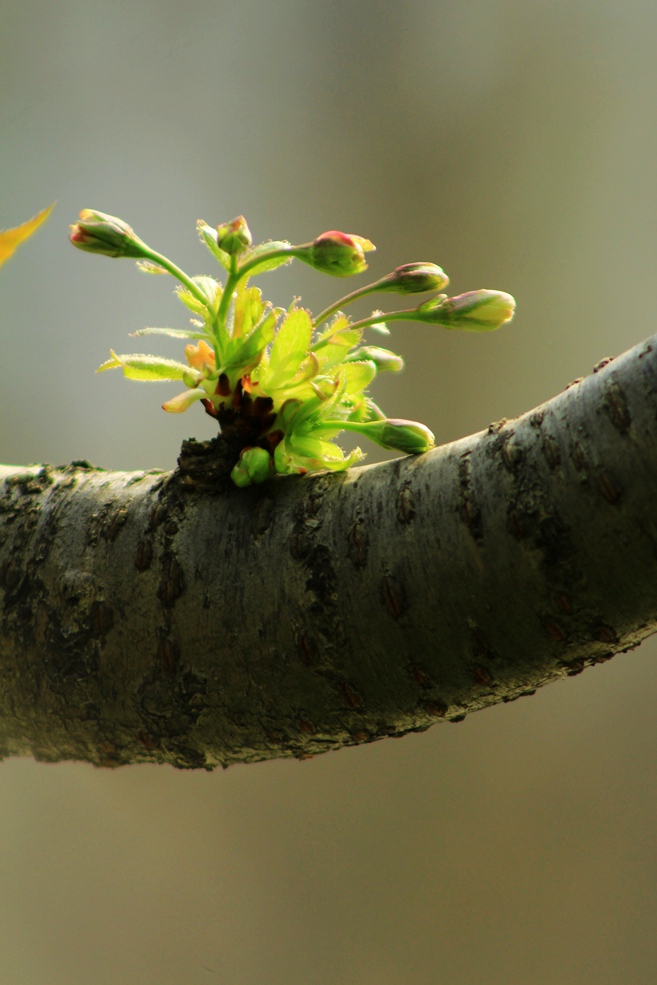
(279, 385)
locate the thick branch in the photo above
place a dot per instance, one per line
(146, 618)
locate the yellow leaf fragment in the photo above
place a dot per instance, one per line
(11, 238)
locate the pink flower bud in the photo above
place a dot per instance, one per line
(101, 233)
(336, 253)
(413, 278)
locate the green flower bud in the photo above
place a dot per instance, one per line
(414, 278)
(234, 237)
(410, 437)
(476, 311)
(100, 233)
(384, 360)
(254, 466)
(336, 253)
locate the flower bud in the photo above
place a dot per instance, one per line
(384, 360)
(414, 278)
(234, 237)
(100, 233)
(336, 253)
(476, 311)
(254, 466)
(410, 437)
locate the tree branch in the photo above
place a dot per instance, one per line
(146, 617)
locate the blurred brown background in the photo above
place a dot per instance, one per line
(513, 142)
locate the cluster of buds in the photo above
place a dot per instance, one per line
(281, 382)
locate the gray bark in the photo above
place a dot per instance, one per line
(173, 618)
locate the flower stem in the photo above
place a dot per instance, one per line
(406, 314)
(247, 267)
(361, 292)
(232, 281)
(179, 274)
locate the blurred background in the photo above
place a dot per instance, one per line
(514, 143)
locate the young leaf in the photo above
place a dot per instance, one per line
(248, 309)
(190, 301)
(268, 262)
(208, 236)
(11, 238)
(174, 333)
(339, 323)
(336, 350)
(366, 410)
(184, 400)
(139, 366)
(379, 326)
(248, 351)
(290, 347)
(358, 376)
(211, 288)
(148, 267)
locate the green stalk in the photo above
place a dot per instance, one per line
(179, 274)
(232, 281)
(250, 264)
(407, 314)
(347, 299)
(187, 282)
(237, 273)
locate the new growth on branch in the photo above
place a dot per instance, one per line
(281, 382)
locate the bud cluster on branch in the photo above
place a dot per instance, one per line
(282, 383)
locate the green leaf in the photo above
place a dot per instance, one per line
(248, 308)
(379, 326)
(148, 267)
(270, 263)
(174, 333)
(311, 452)
(339, 323)
(139, 366)
(333, 345)
(311, 411)
(358, 376)
(290, 347)
(190, 301)
(209, 287)
(308, 368)
(330, 356)
(208, 236)
(247, 351)
(367, 410)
